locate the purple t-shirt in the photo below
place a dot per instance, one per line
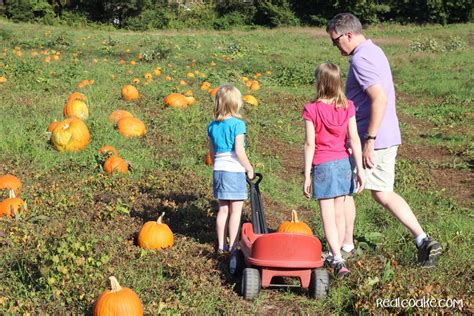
(370, 66)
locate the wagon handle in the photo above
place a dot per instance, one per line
(258, 176)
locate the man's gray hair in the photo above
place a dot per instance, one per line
(343, 23)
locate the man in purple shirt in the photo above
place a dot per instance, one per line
(370, 86)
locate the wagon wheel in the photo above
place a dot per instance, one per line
(250, 286)
(319, 284)
(236, 262)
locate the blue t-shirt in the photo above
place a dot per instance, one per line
(223, 133)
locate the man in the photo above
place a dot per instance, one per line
(370, 86)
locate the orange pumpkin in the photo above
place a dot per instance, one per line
(213, 92)
(131, 127)
(119, 301)
(176, 100)
(115, 164)
(295, 226)
(10, 182)
(255, 85)
(205, 85)
(191, 100)
(250, 99)
(71, 134)
(108, 150)
(115, 116)
(155, 235)
(11, 206)
(130, 93)
(77, 96)
(76, 108)
(208, 159)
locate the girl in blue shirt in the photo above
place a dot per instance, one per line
(226, 135)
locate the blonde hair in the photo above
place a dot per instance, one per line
(329, 85)
(228, 102)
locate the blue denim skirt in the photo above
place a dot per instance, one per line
(332, 179)
(228, 185)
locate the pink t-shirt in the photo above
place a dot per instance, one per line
(330, 126)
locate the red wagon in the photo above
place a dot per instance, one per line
(264, 255)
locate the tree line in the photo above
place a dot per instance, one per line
(225, 14)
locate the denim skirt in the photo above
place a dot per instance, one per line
(332, 179)
(228, 185)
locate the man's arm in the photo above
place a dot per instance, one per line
(377, 95)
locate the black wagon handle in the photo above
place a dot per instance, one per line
(256, 179)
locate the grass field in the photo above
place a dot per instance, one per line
(81, 225)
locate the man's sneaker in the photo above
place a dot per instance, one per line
(348, 254)
(429, 252)
(340, 269)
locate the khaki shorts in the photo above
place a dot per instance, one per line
(382, 176)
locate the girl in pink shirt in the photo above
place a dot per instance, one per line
(329, 121)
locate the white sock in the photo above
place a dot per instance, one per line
(337, 259)
(419, 239)
(347, 247)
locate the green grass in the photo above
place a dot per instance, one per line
(81, 225)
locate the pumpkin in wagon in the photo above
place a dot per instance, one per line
(155, 235)
(119, 301)
(294, 226)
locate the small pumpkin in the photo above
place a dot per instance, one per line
(77, 108)
(115, 164)
(71, 134)
(176, 100)
(255, 85)
(119, 301)
(155, 235)
(115, 116)
(208, 159)
(130, 93)
(108, 150)
(205, 85)
(295, 226)
(191, 100)
(213, 92)
(10, 182)
(250, 99)
(12, 206)
(131, 127)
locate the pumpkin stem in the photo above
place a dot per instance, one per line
(11, 194)
(160, 219)
(294, 216)
(114, 284)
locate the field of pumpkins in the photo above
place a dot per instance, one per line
(103, 141)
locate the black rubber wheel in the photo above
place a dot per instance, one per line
(319, 284)
(236, 263)
(250, 286)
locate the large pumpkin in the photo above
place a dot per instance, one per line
(10, 182)
(77, 108)
(115, 164)
(11, 206)
(131, 127)
(115, 116)
(52, 126)
(119, 301)
(155, 235)
(130, 93)
(176, 100)
(295, 226)
(70, 135)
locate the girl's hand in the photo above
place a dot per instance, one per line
(360, 182)
(307, 187)
(250, 174)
